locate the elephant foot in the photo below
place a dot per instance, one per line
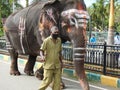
(62, 85)
(15, 72)
(29, 73)
(39, 74)
(84, 84)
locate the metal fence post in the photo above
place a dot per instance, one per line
(104, 56)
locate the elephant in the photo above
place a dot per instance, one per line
(26, 29)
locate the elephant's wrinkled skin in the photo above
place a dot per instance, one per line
(28, 40)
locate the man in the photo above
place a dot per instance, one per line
(51, 56)
(117, 39)
(117, 42)
(93, 39)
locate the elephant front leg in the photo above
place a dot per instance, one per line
(14, 66)
(80, 71)
(30, 65)
(78, 57)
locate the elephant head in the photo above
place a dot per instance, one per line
(74, 23)
(48, 19)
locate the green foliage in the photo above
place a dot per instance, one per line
(117, 17)
(118, 28)
(6, 8)
(99, 13)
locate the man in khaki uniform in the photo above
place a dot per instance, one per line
(51, 47)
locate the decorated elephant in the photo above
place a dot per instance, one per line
(26, 29)
(74, 24)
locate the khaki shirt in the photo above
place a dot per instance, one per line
(52, 51)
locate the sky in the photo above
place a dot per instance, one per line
(87, 2)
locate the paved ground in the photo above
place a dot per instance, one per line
(24, 82)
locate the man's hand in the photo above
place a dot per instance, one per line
(61, 64)
(42, 59)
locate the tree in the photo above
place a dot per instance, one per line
(6, 8)
(111, 24)
(99, 13)
(27, 3)
(117, 17)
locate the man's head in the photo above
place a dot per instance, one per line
(54, 32)
(93, 35)
(117, 33)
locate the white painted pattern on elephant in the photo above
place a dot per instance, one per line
(22, 29)
(8, 46)
(50, 14)
(76, 55)
(79, 48)
(80, 17)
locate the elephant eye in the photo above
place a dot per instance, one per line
(73, 20)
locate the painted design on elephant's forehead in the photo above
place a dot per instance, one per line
(41, 26)
(81, 17)
(78, 13)
(50, 14)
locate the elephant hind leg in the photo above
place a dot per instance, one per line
(14, 65)
(13, 55)
(30, 65)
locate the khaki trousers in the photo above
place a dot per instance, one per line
(51, 75)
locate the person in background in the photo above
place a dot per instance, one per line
(51, 56)
(93, 39)
(117, 43)
(117, 39)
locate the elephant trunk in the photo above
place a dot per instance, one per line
(78, 58)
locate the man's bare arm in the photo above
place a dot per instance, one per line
(42, 56)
